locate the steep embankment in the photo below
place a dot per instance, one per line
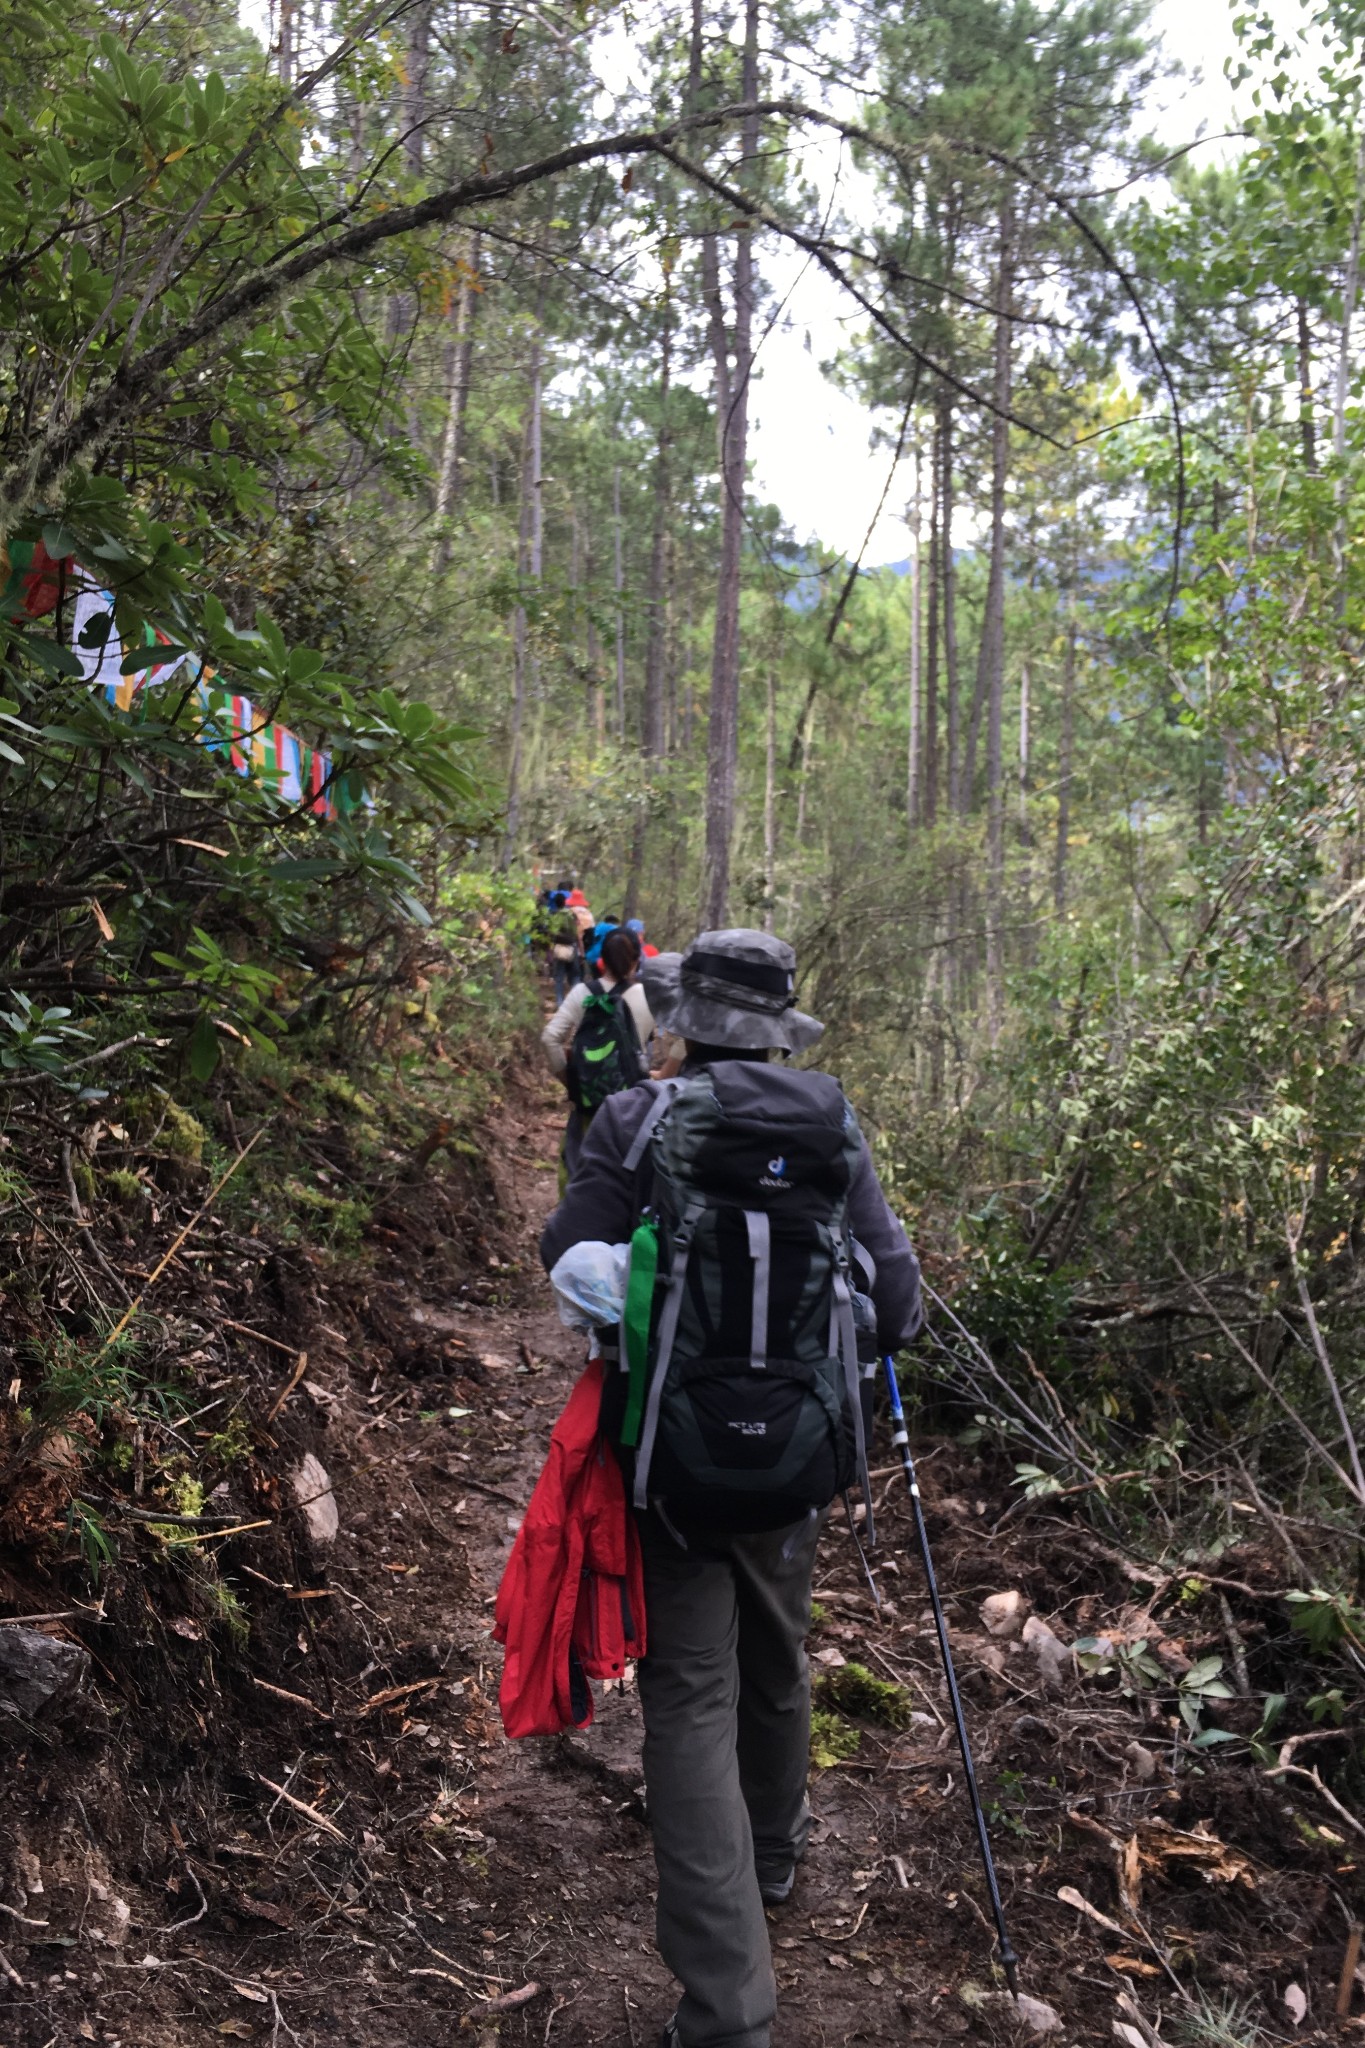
(283, 1809)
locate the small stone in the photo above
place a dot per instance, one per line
(1143, 1762)
(1029, 1728)
(1037, 2015)
(1055, 1662)
(118, 1915)
(1004, 1614)
(317, 1502)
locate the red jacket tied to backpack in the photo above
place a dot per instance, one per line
(571, 1605)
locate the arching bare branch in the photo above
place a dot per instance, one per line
(140, 377)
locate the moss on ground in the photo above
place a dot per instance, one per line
(853, 1689)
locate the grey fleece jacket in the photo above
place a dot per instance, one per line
(604, 1202)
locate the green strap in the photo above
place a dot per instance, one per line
(644, 1266)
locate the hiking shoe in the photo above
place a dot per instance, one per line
(776, 1890)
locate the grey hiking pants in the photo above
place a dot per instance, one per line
(725, 1690)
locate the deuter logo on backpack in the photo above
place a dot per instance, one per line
(775, 1177)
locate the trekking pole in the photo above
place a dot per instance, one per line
(901, 1439)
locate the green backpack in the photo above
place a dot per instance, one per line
(605, 1056)
(747, 1375)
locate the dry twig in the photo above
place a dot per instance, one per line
(319, 1820)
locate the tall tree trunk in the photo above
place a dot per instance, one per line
(1349, 291)
(689, 694)
(1065, 748)
(930, 751)
(993, 636)
(537, 494)
(449, 477)
(957, 801)
(1025, 830)
(537, 467)
(1307, 428)
(656, 644)
(670, 651)
(799, 840)
(355, 147)
(1025, 681)
(528, 555)
(413, 108)
(732, 397)
(914, 778)
(288, 45)
(770, 805)
(596, 690)
(619, 585)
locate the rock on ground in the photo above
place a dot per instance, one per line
(38, 1671)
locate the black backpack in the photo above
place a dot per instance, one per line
(749, 1350)
(605, 1056)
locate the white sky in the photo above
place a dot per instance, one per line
(810, 441)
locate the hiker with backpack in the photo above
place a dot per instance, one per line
(596, 1040)
(564, 950)
(766, 1273)
(592, 942)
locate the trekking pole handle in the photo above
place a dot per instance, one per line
(900, 1437)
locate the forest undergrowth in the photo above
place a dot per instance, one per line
(266, 1796)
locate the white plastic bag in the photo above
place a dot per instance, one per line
(590, 1284)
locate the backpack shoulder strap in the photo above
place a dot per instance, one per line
(653, 1117)
(668, 1330)
(843, 1344)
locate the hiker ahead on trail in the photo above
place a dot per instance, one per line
(596, 1040)
(765, 1274)
(592, 942)
(565, 946)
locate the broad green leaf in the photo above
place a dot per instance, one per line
(203, 1047)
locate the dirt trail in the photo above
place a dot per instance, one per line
(420, 1869)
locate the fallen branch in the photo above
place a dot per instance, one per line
(1314, 1442)
(194, 1222)
(508, 2001)
(1333, 1386)
(1346, 1983)
(297, 1699)
(91, 1059)
(15, 1914)
(129, 1513)
(1313, 1777)
(299, 1370)
(244, 1330)
(395, 1692)
(319, 1820)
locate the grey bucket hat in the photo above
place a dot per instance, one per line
(731, 988)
